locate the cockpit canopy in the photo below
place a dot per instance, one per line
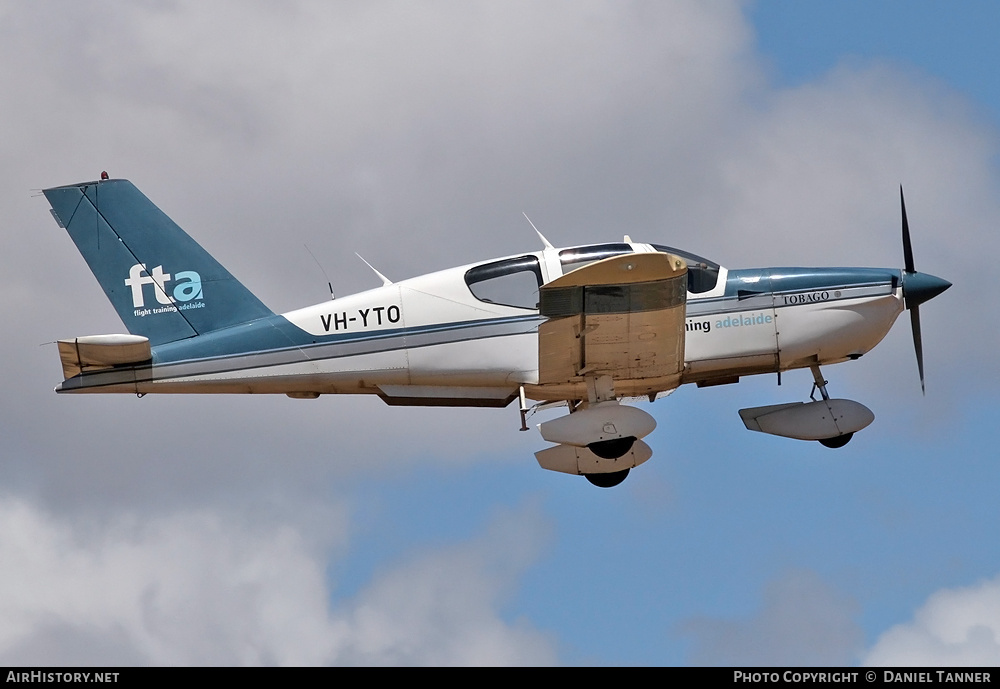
(516, 281)
(703, 274)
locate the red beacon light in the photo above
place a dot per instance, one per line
(104, 175)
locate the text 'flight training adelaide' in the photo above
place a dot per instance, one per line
(585, 327)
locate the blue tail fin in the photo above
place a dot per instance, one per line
(162, 283)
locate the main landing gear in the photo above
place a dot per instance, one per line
(600, 439)
(607, 480)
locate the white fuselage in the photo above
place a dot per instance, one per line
(430, 338)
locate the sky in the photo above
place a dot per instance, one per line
(231, 530)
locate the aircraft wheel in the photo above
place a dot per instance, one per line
(612, 449)
(838, 441)
(607, 480)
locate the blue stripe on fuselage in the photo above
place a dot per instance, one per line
(778, 280)
(277, 334)
(213, 353)
(758, 288)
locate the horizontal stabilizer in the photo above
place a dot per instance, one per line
(97, 352)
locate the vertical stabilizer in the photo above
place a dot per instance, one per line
(163, 285)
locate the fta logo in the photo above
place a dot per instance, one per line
(187, 285)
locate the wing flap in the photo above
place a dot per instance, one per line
(98, 352)
(446, 396)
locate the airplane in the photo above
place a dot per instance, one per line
(585, 327)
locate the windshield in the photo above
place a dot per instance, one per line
(703, 275)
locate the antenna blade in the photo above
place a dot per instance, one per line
(320, 266)
(385, 281)
(545, 242)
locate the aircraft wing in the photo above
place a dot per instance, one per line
(621, 317)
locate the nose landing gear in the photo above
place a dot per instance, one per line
(835, 442)
(833, 422)
(819, 383)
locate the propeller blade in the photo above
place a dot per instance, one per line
(918, 346)
(907, 248)
(921, 287)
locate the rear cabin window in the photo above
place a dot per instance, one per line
(703, 274)
(511, 282)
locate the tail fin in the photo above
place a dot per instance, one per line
(163, 285)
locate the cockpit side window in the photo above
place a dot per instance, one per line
(511, 282)
(580, 256)
(703, 274)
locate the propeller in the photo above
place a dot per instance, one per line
(917, 288)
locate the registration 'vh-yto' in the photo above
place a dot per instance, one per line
(585, 327)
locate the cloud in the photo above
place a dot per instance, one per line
(824, 161)
(417, 134)
(205, 588)
(956, 627)
(195, 587)
(439, 608)
(803, 621)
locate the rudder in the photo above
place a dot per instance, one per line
(162, 283)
